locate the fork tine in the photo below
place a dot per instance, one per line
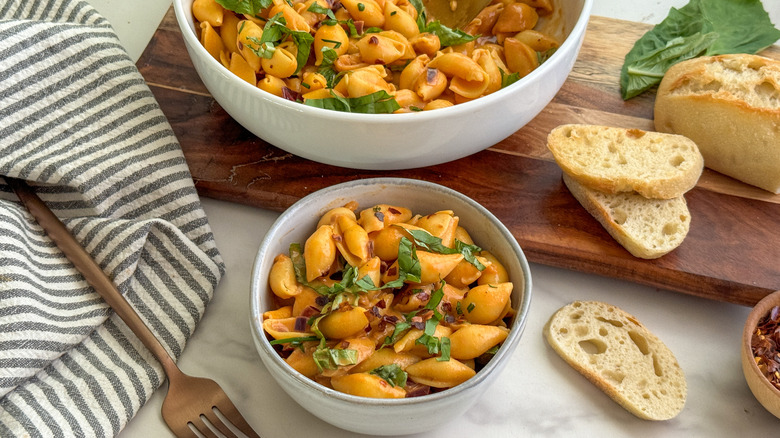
(203, 428)
(229, 411)
(217, 422)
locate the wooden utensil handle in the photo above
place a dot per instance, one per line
(89, 269)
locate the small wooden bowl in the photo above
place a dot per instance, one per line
(766, 393)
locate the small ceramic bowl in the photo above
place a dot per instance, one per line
(391, 141)
(388, 416)
(766, 393)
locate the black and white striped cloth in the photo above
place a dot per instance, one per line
(77, 119)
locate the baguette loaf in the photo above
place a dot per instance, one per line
(614, 160)
(647, 228)
(730, 106)
(620, 356)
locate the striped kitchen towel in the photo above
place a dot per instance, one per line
(77, 119)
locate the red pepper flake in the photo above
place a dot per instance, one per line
(393, 210)
(765, 342)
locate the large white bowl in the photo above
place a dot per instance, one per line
(390, 141)
(382, 416)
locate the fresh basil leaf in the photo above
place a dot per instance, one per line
(408, 263)
(392, 374)
(294, 341)
(379, 102)
(647, 71)
(426, 240)
(326, 69)
(435, 299)
(318, 9)
(702, 27)
(445, 349)
(299, 264)
(508, 79)
(332, 358)
(422, 19)
(400, 328)
(447, 36)
(249, 7)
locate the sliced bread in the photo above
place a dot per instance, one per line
(647, 228)
(620, 356)
(615, 160)
(730, 106)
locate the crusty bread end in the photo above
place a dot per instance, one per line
(730, 106)
(613, 350)
(615, 160)
(647, 228)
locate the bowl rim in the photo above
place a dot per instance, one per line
(569, 44)
(503, 354)
(759, 310)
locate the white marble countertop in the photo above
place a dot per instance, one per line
(537, 394)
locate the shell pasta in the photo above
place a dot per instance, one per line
(386, 303)
(373, 56)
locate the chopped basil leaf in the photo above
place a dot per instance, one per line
(408, 263)
(392, 374)
(250, 7)
(299, 264)
(508, 79)
(428, 241)
(294, 341)
(379, 102)
(274, 31)
(318, 9)
(332, 358)
(400, 328)
(445, 349)
(448, 37)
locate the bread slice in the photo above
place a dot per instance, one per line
(615, 160)
(647, 228)
(730, 106)
(619, 355)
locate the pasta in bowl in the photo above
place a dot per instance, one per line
(375, 56)
(383, 339)
(378, 141)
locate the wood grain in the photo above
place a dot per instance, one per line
(731, 253)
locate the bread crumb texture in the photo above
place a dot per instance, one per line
(613, 350)
(613, 160)
(751, 79)
(647, 228)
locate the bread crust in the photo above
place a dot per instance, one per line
(730, 106)
(647, 228)
(615, 160)
(619, 355)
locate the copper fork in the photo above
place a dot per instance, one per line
(191, 401)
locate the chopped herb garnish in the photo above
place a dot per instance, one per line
(471, 307)
(249, 7)
(332, 358)
(432, 243)
(361, 7)
(392, 374)
(379, 102)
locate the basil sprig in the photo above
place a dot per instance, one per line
(702, 27)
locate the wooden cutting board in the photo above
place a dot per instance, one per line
(732, 252)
